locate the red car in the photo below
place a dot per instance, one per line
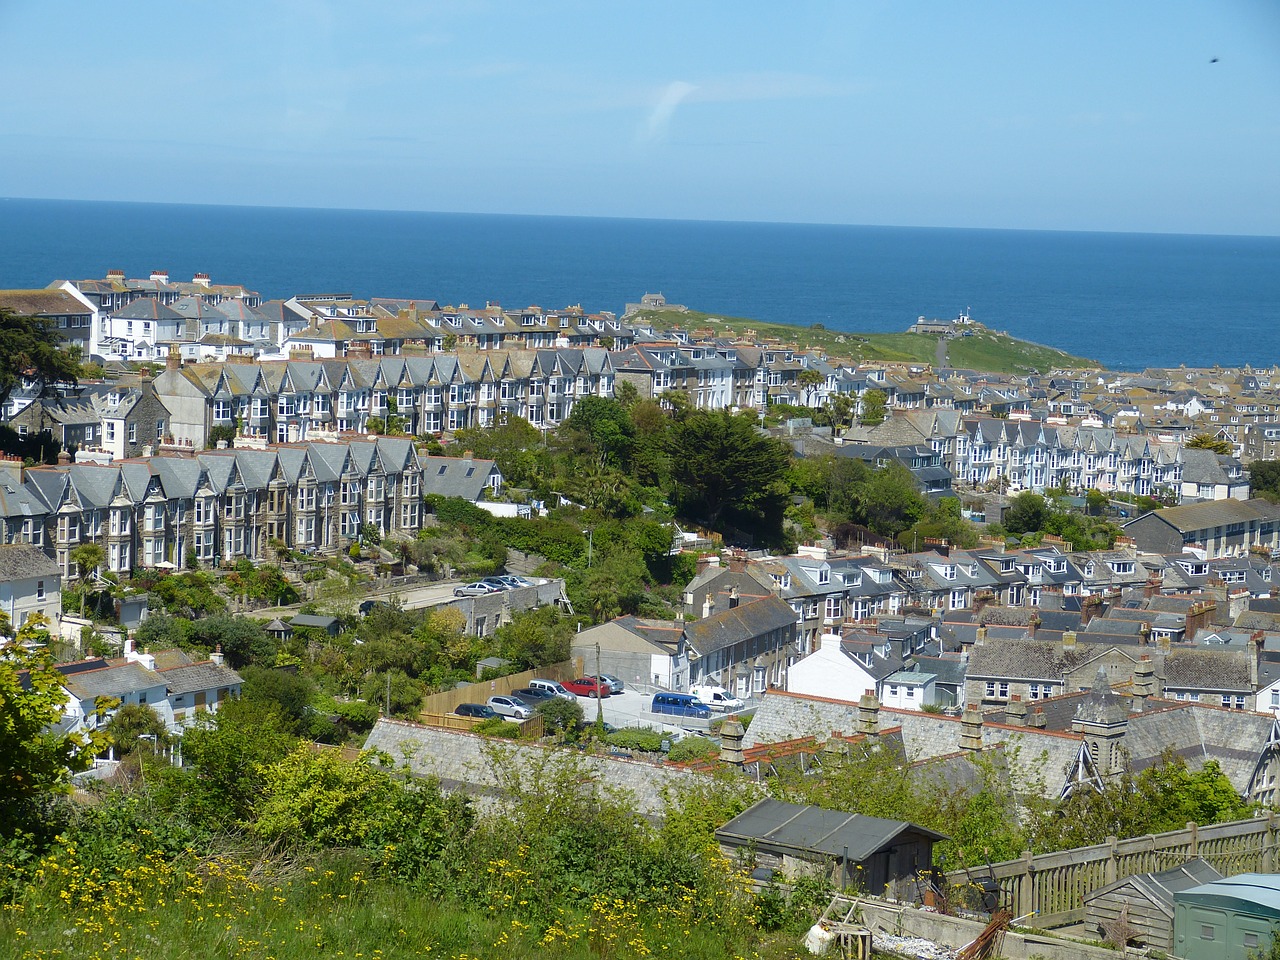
(588, 687)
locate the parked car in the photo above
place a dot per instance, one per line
(680, 705)
(509, 706)
(368, 606)
(511, 580)
(479, 710)
(717, 698)
(587, 687)
(533, 696)
(554, 688)
(477, 589)
(497, 584)
(615, 685)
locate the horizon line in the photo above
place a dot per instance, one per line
(637, 219)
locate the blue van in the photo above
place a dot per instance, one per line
(680, 705)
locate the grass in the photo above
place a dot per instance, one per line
(986, 350)
(333, 906)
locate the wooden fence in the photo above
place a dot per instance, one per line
(532, 729)
(1053, 885)
(448, 701)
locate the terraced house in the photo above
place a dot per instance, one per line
(168, 511)
(295, 400)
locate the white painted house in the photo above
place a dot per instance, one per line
(30, 582)
(831, 672)
(908, 690)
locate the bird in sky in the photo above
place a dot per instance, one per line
(1214, 60)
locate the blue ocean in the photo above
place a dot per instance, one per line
(1128, 301)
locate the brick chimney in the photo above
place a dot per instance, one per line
(971, 729)
(115, 276)
(1090, 607)
(174, 359)
(1200, 616)
(1036, 720)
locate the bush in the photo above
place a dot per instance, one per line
(643, 739)
(693, 748)
(498, 727)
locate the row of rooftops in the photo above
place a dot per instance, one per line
(42, 491)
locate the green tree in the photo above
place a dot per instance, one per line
(37, 757)
(1207, 441)
(888, 500)
(723, 469)
(134, 724)
(602, 427)
(1028, 512)
(225, 758)
(535, 638)
(874, 405)
(1264, 478)
(87, 557)
(288, 694)
(33, 352)
(809, 380)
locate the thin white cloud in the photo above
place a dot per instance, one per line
(659, 119)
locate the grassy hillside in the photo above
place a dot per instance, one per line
(986, 350)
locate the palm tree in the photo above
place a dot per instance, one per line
(87, 557)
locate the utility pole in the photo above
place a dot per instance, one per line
(599, 693)
(388, 710)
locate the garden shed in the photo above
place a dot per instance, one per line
(853, 850)
(1229, 919)
(1144, 903)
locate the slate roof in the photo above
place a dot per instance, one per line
(456, 476)
(20, 561)
(743, 622)
(198, 676)
(773, 824)
(1023, 660)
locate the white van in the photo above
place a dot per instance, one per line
(717, 698)
(554, 688)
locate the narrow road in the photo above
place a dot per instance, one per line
(940, 358)
(411, 598)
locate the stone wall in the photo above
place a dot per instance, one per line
(477, 764)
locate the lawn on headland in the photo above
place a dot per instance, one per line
(985, 350)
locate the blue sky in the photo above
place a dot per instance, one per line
(1083, 116)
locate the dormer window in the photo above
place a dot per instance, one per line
(824, 576)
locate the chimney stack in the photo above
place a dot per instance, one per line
(216, 657)
(201, 279)
(732, 733)
(1015, 712)
(1143, 682)
(869, 714)
(708, 606)
(1037, 720)
(1068, 642)
(174, 360)
(160, 276)
(971, 729)
(733, 597)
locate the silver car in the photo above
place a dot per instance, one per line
(477, 589)
(614, 684)
(512, 707)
